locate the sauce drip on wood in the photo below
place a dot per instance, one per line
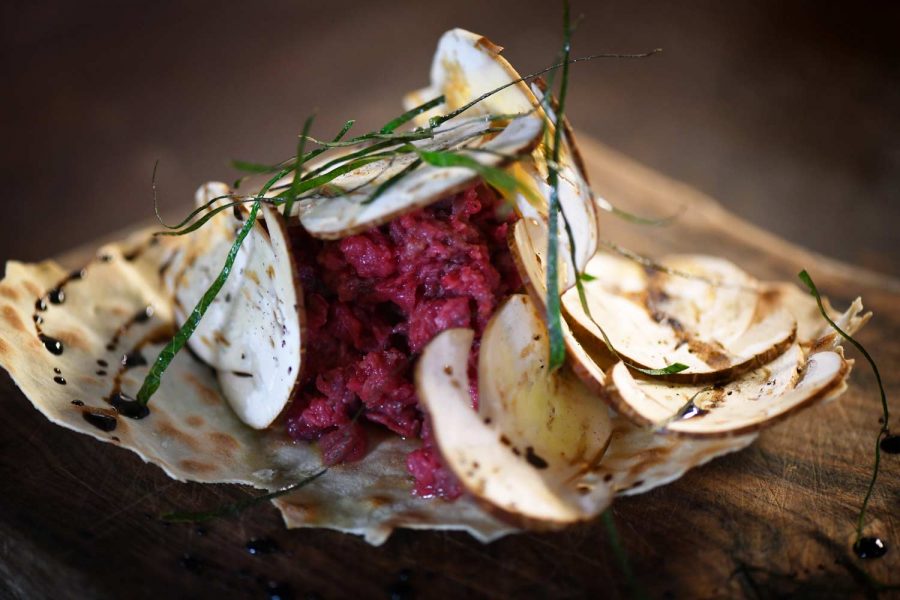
(870, 547)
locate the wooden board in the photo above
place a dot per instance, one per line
(78, 518)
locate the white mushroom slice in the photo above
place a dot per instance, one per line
(466, 66)
(347, 214)
(534, 434)
(711, 322)
(251, 333)
(757, 399)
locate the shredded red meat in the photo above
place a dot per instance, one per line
(374, 300)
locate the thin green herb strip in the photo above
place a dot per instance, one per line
(298, 168)
(237, 507)
(806, 279)
(554, 305)
(412, 114)
(154, 376)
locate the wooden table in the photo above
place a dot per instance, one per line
(78, 519)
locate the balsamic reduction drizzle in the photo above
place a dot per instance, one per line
(869, 547)
(133, 359)
(128, 406)
(53, 345)
(100, 420)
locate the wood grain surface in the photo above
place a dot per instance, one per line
(78, 518)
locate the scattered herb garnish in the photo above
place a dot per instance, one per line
(885, 427)
(382, 144)
(237, 507)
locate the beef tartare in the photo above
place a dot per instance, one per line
(374, 300)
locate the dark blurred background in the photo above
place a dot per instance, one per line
(786, 112)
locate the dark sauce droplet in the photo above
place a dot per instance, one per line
(276, 590)
(102, 363)
(77, 402)
(128, 406)
(870, 547)
(133, 359)
(56, 296)
(260, 546)
(891, 444)
(56, 370)
(53, 345)
(40, 305)
(38, 319)
(60, 380)
(101, 421)
(101, 372)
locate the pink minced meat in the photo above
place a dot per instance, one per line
(374, 300)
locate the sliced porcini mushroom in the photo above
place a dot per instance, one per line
(251, 333)
(759, 398)
(534, 434)
(466, 66)
(708, 316)
(341, 215)
(812, 370)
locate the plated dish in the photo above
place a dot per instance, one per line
(419, 327)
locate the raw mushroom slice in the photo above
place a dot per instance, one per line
(534, 434)
(711, 321)
(757, 399)
(251, 333)
(466, 66)
(347, 214)
(813, 370)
